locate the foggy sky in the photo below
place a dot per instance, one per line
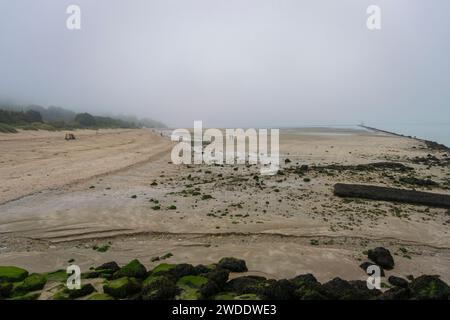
(231, 63)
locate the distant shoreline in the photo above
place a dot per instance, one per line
(430, 144)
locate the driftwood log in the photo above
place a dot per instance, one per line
(392, 194)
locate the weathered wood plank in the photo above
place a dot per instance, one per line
(392, 194)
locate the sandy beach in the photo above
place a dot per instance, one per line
(60, 199)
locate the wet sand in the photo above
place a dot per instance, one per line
(282, 227)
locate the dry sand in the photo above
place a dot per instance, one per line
(74, 195)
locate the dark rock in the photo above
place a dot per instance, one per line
(398, 282)
(182, 270)
(83, 291)
(367, 264)
(396, 293)
(122, 288)
(90, 275)
(382, 257)
(307, 288)
(112, 266)
(28, 297)
(279, 290)
(246, 284)
(429, 288)
(5, 289)
(199, 269)
(338, 289)
(219, 276)
(12, 274)
(134, 269)
(158, 288)
(304, 280)
(363, 291)
(310, 292)
(232, 264)
(33, 282)
(209, 289)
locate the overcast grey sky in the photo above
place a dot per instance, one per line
(231, 63)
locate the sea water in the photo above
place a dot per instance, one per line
(438, 132)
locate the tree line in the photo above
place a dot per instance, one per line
(35, 117)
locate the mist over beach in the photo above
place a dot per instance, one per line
(125, 174)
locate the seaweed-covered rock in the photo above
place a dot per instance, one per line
(100, 296)
(182, 269)
(382, 257)
(428, 287)
(232, 264)
(163, 268)
(363, 291)
(33, 282)
(57, 276)
(111, 266)
(339, 289)
(307, 288)
(396, 293)
(304, 280)
(192, 281)
(209, 289)
(248, 296)
(219, 276)
(5, 289)
(28, 296)
(122, 288)
(200, 269)
(90, 275)
(398, 282)
(158, 288)
(190, 287)
(83, 291)
(12, 274)
(279, 290)
(224, 296)
(68, 294)
(134, 269)
(367, 264)
(247, 284)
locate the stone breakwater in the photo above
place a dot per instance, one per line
(184, 281)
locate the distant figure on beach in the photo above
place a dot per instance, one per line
(69, 136)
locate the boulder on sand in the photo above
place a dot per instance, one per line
(232, 264)
(367, 264)
(382, 257)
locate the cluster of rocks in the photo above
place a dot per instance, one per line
(425, 287)
(187, 282)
